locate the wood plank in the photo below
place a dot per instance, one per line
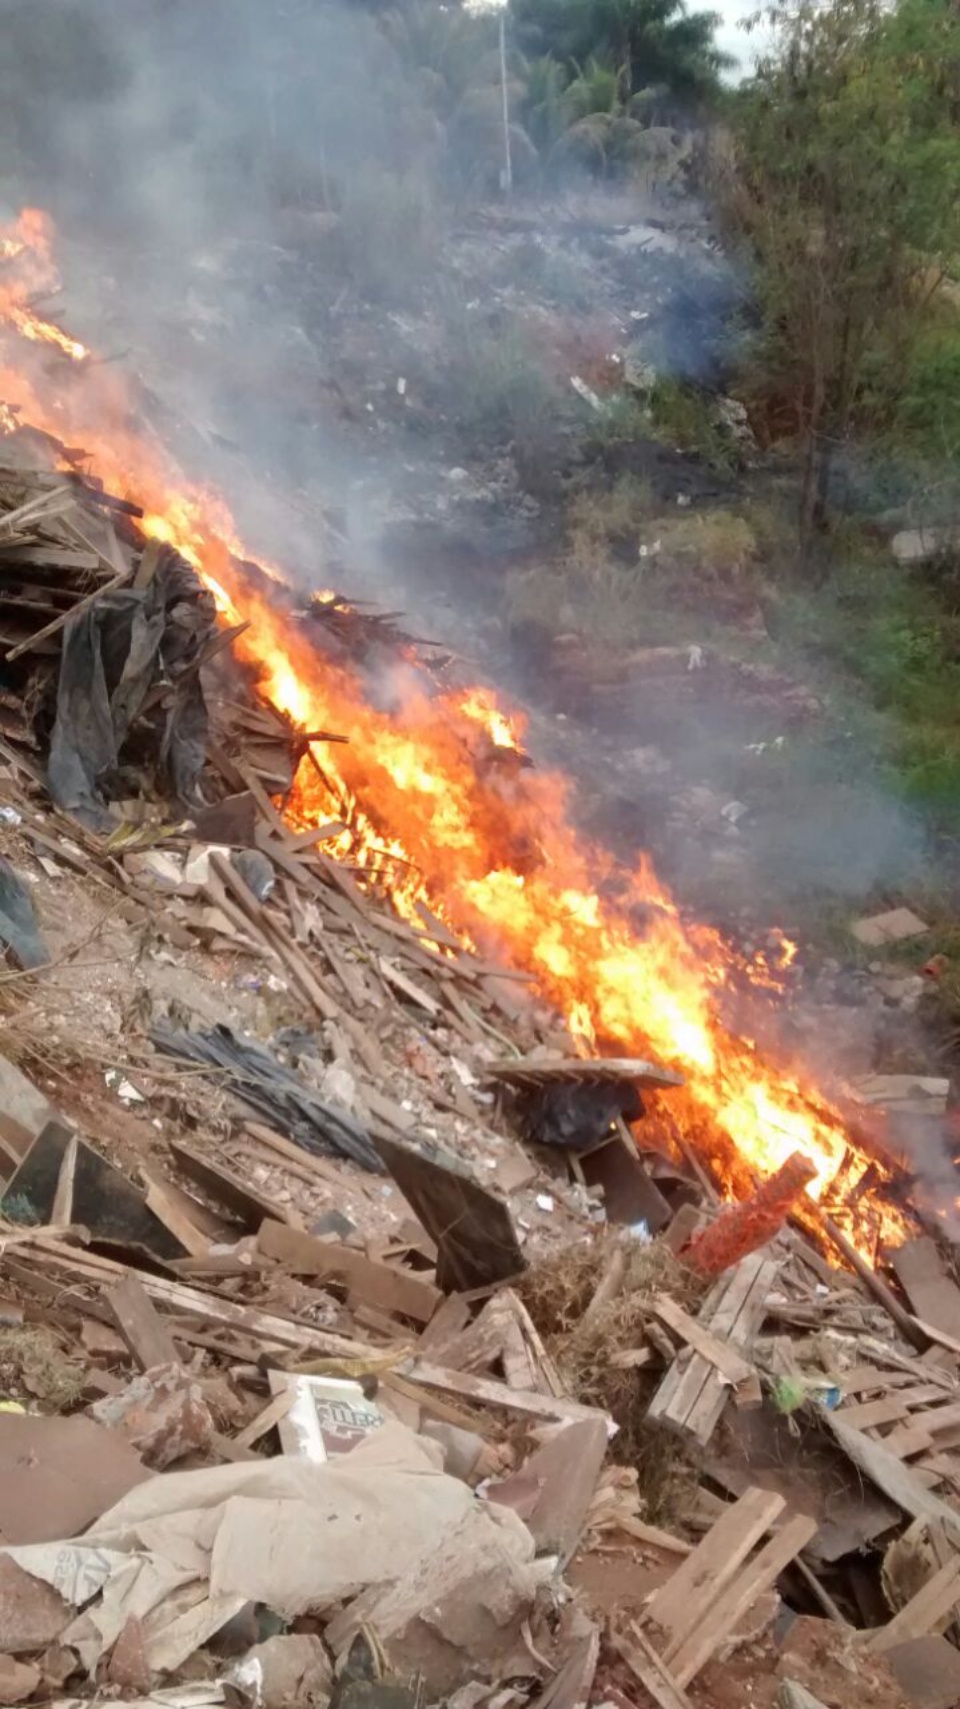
(227, 1188)
(276, 1408)
(759, 1574)
(303, 1163)
(166, 1209)
(141, 1326)
(891, 1476)
(385, 1286)
(693, 1394)
(717, 1353)
(888, 1410)
(939, 1597)
(651, 1673)
(683, 1601)
(211, 1308)
(491, 1393)
(932, 1293)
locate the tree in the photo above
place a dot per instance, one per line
(847, 187)
(644, 41)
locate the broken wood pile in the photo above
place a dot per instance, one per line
(287, 1364)
(209, 1327)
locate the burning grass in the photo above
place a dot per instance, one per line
(557, 1293)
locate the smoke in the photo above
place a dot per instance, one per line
(263, 216)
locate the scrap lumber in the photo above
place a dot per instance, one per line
(180, 1299)
(529, 1071)
(715, 1586)
(932, 1294)
(758, 1576)
(226, 1188)
(485, 1391)
(694, 1391)
(141, 1326)
(874, 1283)
(649, 1669)
(173, 1208)
(737, 1371)
(929, 1608)
(386, 1286)
(689, 1591)
(891, 1476)
(565, 1469)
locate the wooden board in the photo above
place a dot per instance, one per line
(694, 1392)
(518, 1071)
(490, 1393)
(473, 1230)
(718, 1353)
(891, 1476)
(939, 1597)
(932, 1293)
(683, 1601)
(228, 1189)
(385, 1286)
(141, 1326)
(759, 1574)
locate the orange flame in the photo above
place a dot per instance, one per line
(493, 853)
(27, 246)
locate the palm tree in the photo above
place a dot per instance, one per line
(656, 41)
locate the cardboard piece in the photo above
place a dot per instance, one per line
(57, 1475)
(327, 1415)
(565, 1472)
(474, 1233)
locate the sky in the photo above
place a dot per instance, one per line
(730, 37)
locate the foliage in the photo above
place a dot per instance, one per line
(599, 522)
(385, 239)
(848, 191)
(879, 628)
(684, 416)
(496, 388)
(643, 41)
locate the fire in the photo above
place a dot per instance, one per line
(491, 849)
(27, 248)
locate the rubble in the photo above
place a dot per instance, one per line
(434, 1319)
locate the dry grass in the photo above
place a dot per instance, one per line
(34, 1367)
(557, 1293)
(715, 546)
(597, 521)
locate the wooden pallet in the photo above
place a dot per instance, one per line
(695, 1390)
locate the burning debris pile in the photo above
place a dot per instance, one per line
(437, 1177)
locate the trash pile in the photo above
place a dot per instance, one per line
(360, 1343)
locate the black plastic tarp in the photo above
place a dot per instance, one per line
(115, 652)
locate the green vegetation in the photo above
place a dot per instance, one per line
(846, 189)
